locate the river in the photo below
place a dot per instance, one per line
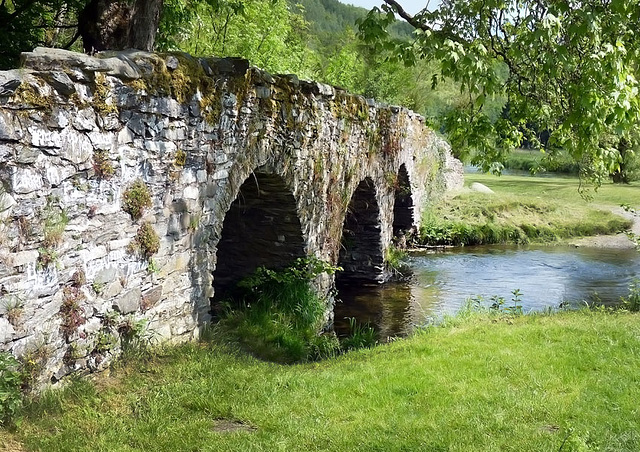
(439, 282)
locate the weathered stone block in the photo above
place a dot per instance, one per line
(6, 330)
(60, 82)
(105, 275)
(24, 257)
(129, 302)
(151, 297)
(85, 120)
(26, 180)
(10, 81)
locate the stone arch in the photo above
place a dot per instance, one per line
(361, 255)
(403, 219)
(261, 228)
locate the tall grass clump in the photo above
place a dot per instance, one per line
(632, 301)
(277, 315)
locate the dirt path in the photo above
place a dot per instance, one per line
(618, 241)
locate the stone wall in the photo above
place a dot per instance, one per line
(206, 137)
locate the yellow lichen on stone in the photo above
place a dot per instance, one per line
(30, 95)
(101, 95)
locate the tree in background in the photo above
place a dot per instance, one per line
(119, 24)
(265, 32)
(25, 24)
(562, 66)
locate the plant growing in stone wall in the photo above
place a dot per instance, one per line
(46, 257)
(102, 166)
(136, 198)
(181, 158)
(146, 243)
(12, 306)
(79, 278)
(101, 93)
(71, 312)
(106, 338)
(33, 362)
(55, 222)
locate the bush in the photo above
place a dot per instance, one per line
(11, 380)
(136, 198)
(102, 166)
(632, 302)
(276, 314)
(71, 312)
(146, 242)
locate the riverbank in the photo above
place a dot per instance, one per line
(481, 382)
(524, 209)
(621, 240)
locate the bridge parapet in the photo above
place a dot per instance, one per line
(243, 168)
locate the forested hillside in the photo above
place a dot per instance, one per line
(315, 39)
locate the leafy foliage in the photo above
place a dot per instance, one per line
(565, 68)
(632, 301)
(136, 198)
(263, 31)
(25, 24)
(278, 314)
(11, 381)
(71, 312)
(146, 242)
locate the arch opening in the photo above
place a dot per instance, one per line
(403, 206)
(361, 246)
(261, 228)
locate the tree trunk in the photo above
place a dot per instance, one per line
(119, 24)
(621, 176)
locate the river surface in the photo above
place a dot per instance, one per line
(439, 282)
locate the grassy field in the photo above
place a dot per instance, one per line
(566, 382)
(534, 160)
(527, 209)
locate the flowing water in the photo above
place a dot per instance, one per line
(441, 281)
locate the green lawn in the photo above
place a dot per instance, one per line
(527, 383)
(526, 209)
(560, 189)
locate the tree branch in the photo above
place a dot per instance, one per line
(406, 16)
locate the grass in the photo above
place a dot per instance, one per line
(474, 384)
(526, 209)
(277, 315)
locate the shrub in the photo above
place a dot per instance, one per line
(136, 198)
(146, 242)
(632, 302)
(70, 311)
(278, 315)
(102, 165)
(55, 222)
(11, 381)
(46, 257)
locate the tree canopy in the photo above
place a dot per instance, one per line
(563, 67)
(560, 75)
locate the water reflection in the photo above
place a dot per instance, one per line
(442, 281)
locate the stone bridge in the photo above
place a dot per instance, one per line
(242, 168)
